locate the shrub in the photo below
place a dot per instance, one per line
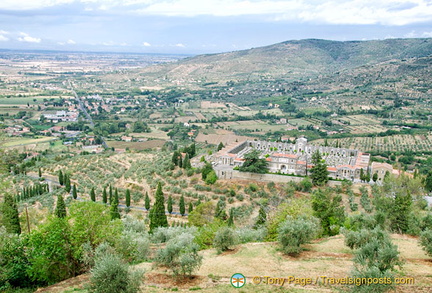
(426, 241)
(164, 234)
(294, 232)
(305, 185)
(110, 274)
(134, 225)
(224, 238)
(245, 235)
(180, 255)
(134, 247)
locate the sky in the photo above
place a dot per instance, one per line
(203, 26)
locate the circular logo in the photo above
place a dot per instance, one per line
(238, 280)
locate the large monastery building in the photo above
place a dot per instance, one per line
(287, 158)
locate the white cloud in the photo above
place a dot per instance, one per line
(145, 44)
(385, 12)
(3, 38)
(71, 42)
(427, 34)
(180, 45)
(26, 38)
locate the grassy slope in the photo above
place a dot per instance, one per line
(324, 257)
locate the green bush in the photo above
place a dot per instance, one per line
(426, 241)
(111, 274)
(134, 247)
(246, 235)
(164, 234)
(224, 238)
(180, 255)
(294, 232)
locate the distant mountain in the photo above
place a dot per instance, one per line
(292, 60)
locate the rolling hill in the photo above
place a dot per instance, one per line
(291, 60)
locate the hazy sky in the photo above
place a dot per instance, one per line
(203, 26)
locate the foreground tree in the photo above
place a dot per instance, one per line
(111, 274)
(292, 233)
(253, 163)
(170, 204)
(180, 255)
(319, 171)
(329, 209)
(60, 210)
(10, 215)
(158, 217)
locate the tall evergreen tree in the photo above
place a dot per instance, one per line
(104, 196)
(116, 196)
(400, 215)
(74, 192)
(190, 208)
(180, 160)
(182, 207)
(319, 171)
(262, 218)
(147, 201)
(60, 177)
(220, 212)
(158, 217)
(220, 146)
(231, 218)
(115, 214)
(170, 204)
(186, 162)
(10, 215)
(110, 199)
(67, 182)
(92, 194)
(60, 210)
(127, 196)
(175, 157)
(40, 173)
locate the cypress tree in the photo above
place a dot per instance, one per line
(220, 146)
(147, 201)
(170, 204)
(92, 194)
(186, 162)
(104, 196)
(115, 214)
(175, 157)
(127, 196)
(74, 192)
(110, 194)
(40, 173)
(319, 171)
(262, 218)
(67, 183)
(192, 150)
(180, 160)
(116, 197)
(10, 215)
(231, 218)
(182, 206)
(60, 210)
(60, 177)
(190, 208)
(158, 217)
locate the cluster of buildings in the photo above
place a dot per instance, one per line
(296, 159)
(59, 116)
